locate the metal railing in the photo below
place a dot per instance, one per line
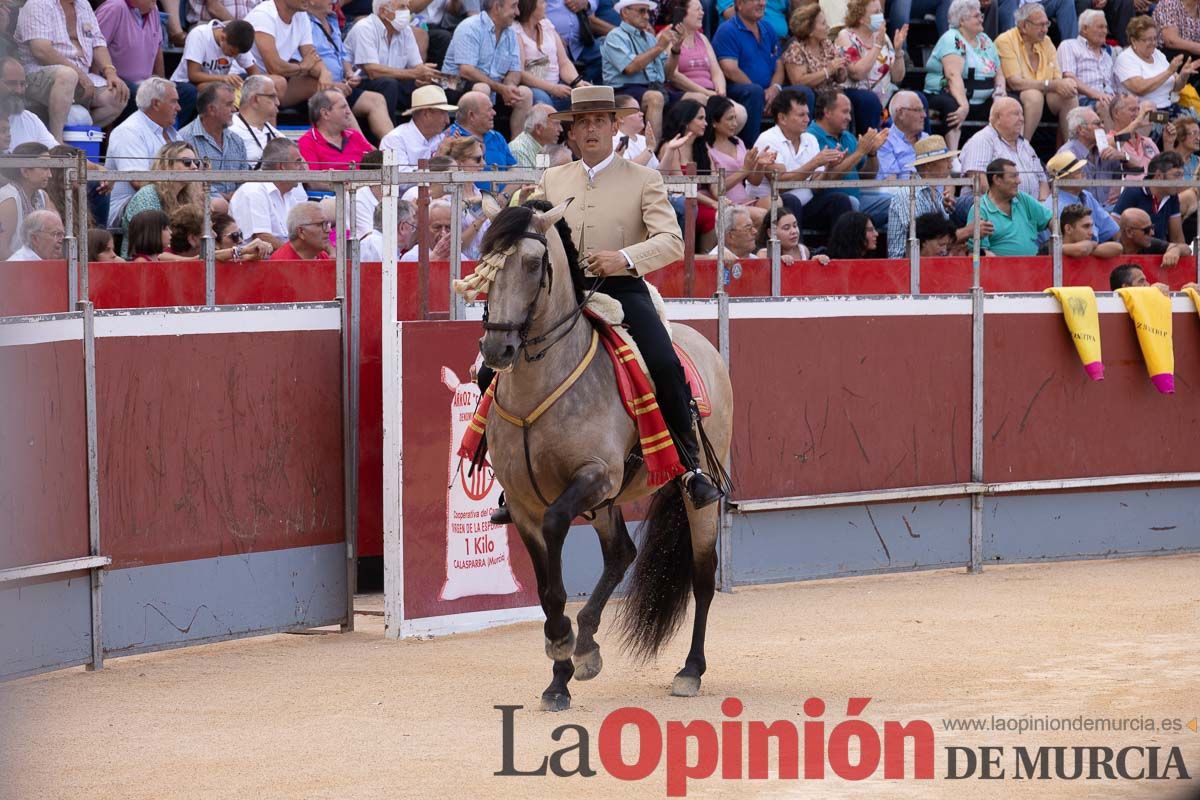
(392, 178)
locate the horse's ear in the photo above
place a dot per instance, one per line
(490, 207)
(547, 219)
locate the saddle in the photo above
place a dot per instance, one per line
(606, 314)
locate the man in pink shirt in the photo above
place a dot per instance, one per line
(333, 141)
(134, 35)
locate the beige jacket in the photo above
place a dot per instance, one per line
(625, 209)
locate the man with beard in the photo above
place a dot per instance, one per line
(25, 125)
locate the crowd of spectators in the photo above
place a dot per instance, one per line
(1008, 93)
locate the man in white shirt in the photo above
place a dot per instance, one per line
(25, 126)
(219, 51)
(799, 157)
(370, 246)
(254, 123)
(283, 46)
(420, 138)
(134, 143)
(261, 209)
(384, 46)
(43, 233)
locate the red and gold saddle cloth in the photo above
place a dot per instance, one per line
(637, 395)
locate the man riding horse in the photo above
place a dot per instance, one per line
(625, 227)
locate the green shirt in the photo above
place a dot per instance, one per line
(1015, 234)
(525, 149)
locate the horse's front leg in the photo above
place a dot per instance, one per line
(619, 552)
(588, 487)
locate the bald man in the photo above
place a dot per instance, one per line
(477, 117)
(1137, 238)
(1003, 137)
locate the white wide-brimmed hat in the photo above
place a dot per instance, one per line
(627, 3)
(429, 97)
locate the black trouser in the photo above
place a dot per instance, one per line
(670, 384)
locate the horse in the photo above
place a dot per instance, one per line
(572, 458)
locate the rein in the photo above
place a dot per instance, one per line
(522, 328)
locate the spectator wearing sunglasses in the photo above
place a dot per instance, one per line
(1137, 238)
(165, 196)
(308, 234)
(187, 231)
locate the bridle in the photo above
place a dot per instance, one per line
(522, 328)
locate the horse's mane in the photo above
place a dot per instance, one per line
(510, 223)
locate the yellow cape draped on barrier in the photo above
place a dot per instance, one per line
(1192, 293)
(1083, 323)
(1150, 310)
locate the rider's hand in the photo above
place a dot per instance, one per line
(606, 263)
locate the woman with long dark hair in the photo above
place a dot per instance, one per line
(853, 236)
(683, 144)
(743, 168)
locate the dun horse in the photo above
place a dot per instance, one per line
(571, 458)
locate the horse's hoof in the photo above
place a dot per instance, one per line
(685, 686)
(587, 665)
(562, 649)
(554, 701)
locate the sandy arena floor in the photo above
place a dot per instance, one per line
(360, 716)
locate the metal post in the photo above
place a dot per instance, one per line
(71, 225)
(975, 270)
(93, 477)
(724, 516)
(690, 203)
(81, 224)
(339, 235)
(914, 246)
(350, 406)
(977, 320)
(393, 487)
(458, 306)
(423, 241)
(720, 231)
(1056, 235)
(773, 242)
(208, 247)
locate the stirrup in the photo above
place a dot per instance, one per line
(501, 515)
(700, 489)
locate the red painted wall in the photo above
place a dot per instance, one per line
(43, 454)
(219, 444)
(1044, 418)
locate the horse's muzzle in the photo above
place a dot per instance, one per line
(499, 349)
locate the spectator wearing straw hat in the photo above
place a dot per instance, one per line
(636, 62)
(931, 160)
(1066, 163)
(419, 137)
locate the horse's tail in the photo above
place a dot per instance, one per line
(662, 577)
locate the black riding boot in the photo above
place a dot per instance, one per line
(501, 516)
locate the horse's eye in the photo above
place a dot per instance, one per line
(531, 264)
